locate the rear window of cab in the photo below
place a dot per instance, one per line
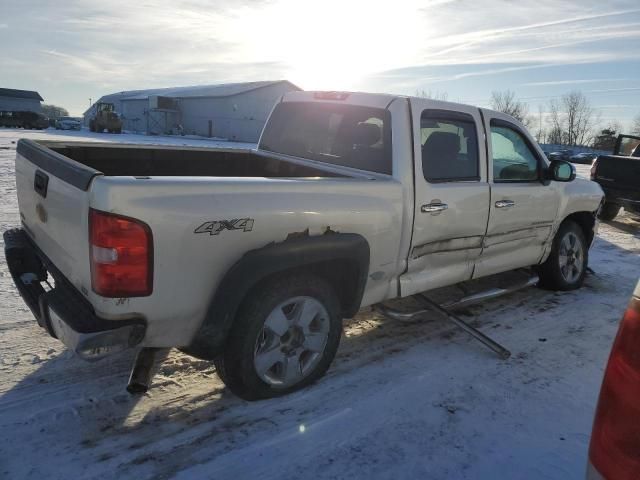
(347, 135)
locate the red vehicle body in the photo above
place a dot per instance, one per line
(614, 452)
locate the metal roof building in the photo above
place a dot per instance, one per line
(235, 111)
(20, 100)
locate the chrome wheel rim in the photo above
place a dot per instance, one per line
(571, 257)
(292, 341)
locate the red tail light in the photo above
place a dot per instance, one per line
(594, 167)
(121, 250)
(615, 441)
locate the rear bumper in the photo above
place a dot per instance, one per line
(63, 311)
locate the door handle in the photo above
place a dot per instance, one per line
(505, 203)
(434, 207)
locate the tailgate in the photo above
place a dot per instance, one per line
(53, 198)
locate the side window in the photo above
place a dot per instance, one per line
(449, 146)
(513, 159)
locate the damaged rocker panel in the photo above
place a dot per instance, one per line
(478, 242)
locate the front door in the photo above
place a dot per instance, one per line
(451, 196)
(523, 205)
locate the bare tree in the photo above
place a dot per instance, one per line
(555, 120)
(635, 126)
(54, 111)
(540, 133)
(506, 102)
(580, 116)
(606, 138)
(437, 95)
(572, 119)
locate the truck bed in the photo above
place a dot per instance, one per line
(160, 160)
(192, 200)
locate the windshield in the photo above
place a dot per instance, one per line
(352, 136)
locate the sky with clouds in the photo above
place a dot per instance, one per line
(73, 50)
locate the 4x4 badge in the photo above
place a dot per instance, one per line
(215, 227)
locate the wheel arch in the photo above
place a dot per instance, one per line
(587, 223)
(340, 258)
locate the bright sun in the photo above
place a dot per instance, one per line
(329, 45)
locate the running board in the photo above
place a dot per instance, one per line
(463, 302)
(395, 314)
(474, 332)
(489, 294)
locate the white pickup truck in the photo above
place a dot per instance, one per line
(252, 258)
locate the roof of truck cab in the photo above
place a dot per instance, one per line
(376, 100)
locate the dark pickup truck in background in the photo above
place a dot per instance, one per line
(26, 120)
(619, 177)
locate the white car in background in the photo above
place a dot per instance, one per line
(68, 123)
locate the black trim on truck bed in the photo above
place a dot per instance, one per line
(58, 165)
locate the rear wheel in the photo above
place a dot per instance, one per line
(566, 266)
(609, 211)
(284, 338)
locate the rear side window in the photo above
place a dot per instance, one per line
(449, 146)
(347, 135)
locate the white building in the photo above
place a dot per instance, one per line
(235, 111)
(12, 100)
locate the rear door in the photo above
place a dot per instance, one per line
(523, 206)
(451, 195)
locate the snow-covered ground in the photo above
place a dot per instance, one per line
(418, 400)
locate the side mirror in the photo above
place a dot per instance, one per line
(561, 171)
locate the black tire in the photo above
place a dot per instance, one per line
(235, 366)
(92, 126)
(609, 211)
(551, 272)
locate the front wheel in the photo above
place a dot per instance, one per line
(284, 338)
(566, 266)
